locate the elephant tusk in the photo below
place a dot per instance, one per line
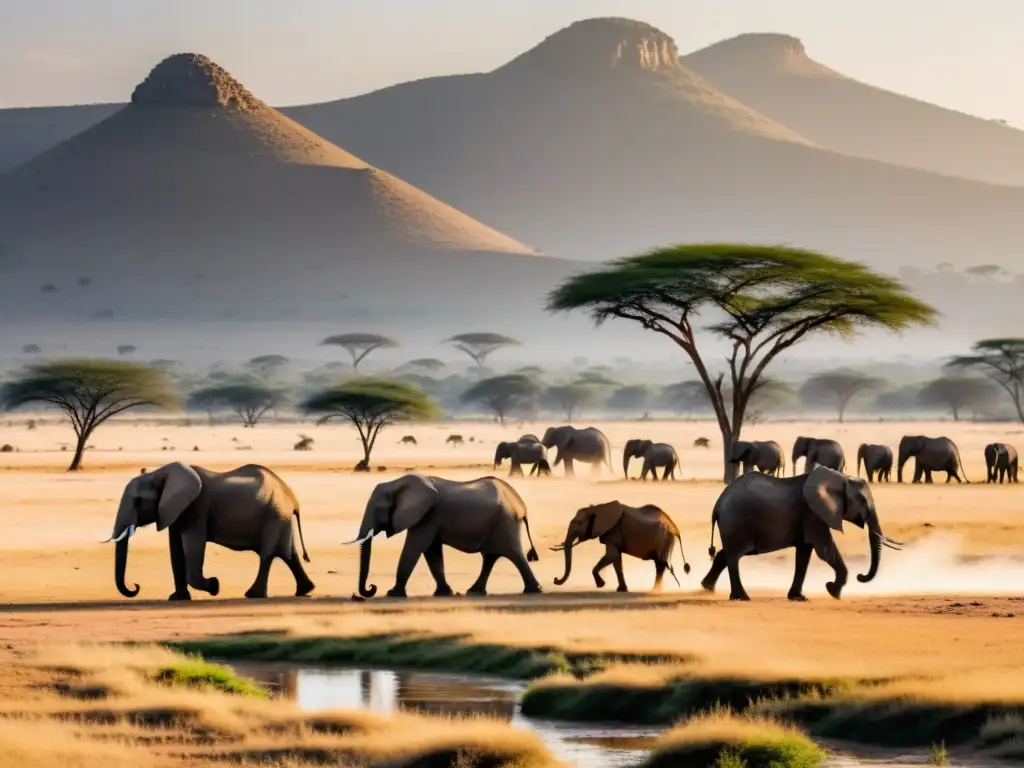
(129, 532)
(367, 537)
(557, 548)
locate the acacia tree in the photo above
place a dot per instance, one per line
(249, 399)
(634, 398)
(837, 388)
(267, 366)
(359, 345)
(956, 393)
(1001, 360)
(88, 391)
(480, 346)
(431, 364)
(573, 397)
(761, 299)
(502, 394)
(370, 404)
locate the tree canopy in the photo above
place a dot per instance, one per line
(502, 394)
(249, 399)
(359, 345)
(89, 391)
(370, 404)
(761, 300)
(633, 398)
(837, 388)
(431, 364)
(957, 393)
(1001, 360)
(267, 366)
(582, 392)
(480, 346)
(126, 349)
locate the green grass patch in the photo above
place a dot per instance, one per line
(723, 740)
(448, 653)
(196, 672)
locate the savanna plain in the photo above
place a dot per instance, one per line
(925, 658)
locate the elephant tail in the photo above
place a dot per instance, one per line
(532, 555)
(682, 554)
(960, 461)
(302, 539)
(714, 522)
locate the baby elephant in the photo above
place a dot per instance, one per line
(1001, 462)
(654, 455)
(646, 533)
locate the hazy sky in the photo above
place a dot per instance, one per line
(964, 54)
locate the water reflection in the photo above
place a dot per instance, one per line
(385, 691)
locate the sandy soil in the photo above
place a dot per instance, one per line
(948, 600)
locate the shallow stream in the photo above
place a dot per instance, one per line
(584, 745)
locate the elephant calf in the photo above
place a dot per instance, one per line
(646, 533)
(757, 514)
(1001, 462)
(818, 452)
(763, 455)
(655, 455)
(248, 509)
(527, 450)
(875, 458)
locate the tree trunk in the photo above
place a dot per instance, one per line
(956, 417)
(731, 470)
(76, 461)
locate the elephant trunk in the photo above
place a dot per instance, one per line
(626, 455)
(364, 569)
(860, 459)
(875, 543)
(497, 457)
(120, 565)
(567, 549)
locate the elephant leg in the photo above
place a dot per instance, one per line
(530, 584)
(659, 575)
(717, 566)
(178, 565)
(595, 468)
(644, 470)
(480, 585)
(928, 476)
(193, 543)
(668, 471)
(606, 559)
(435, 562)
(736, 590)
(411, 552)
(803, 559)
(259, 586)
(516, 470)
(870, 473)
(617, 565)
(303, 584)
(825, 548)
(570, 470)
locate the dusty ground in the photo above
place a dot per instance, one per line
(949, 600)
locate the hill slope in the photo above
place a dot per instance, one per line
(774, 75)
(197, 199)
(587, 150)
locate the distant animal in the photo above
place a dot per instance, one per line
(875, 458)
(817, 451)
(522, 452)
(646, 533)
(655, 455)
(1002, 462)
(702, 442)
(408, 440)
(6, 448)
(482, 515)
(930, 454)
(305, 443)
(762, 455)
(588, 445)
(248, 509)
(454, 440)
(757, 514)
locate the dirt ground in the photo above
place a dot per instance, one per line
(952, 599)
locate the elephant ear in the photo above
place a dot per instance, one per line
(414, 498)
(605, 517)
(825, 494)
(181, 486)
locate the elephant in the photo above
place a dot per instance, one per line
(588, 445)
(931, 454)
(875, 458)
(248, 509)
(1001, 460)
(646, 533)
(654, 455)
(818, 452)
(481, 515)
(766, 456)
(757, 514)
(523, 452)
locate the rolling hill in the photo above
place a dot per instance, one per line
(773, 74)
(598, 142)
